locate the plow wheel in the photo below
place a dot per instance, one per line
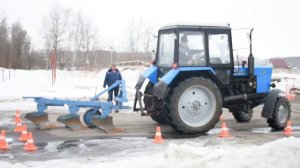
(71, 121)
(88, 117)
(40, 119)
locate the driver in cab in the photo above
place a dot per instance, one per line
(189, 56)
(185, 56)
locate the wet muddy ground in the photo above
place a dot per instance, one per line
(136, 136)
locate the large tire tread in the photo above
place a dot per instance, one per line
(274, 123)
(240, 115)
(157, 116)
(173, 117)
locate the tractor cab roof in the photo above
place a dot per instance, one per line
(191, 26)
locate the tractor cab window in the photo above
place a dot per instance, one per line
(219, 49)
(191, 49)
(166, 49)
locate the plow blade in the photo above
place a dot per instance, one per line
(105, 124)
(72, 121)
(40, 119)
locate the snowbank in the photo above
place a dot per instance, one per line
(263, 156)
(277, 154)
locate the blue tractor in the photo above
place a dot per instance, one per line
(194, 76)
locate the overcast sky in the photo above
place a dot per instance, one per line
(276, 22)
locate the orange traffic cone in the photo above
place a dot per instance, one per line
(3, 143)
(29, 145)
(19, 127)
(158, 138)
(221, 118)
(17, 117)
(24, 135)
(288, 129)
(224, 130)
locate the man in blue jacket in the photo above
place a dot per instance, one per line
(112, 75)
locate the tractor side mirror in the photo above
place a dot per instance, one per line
(273, 85)
(153, 53)
(244, 63)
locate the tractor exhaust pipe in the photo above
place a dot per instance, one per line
(242, 98)
(250, 58)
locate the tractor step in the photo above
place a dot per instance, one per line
(72, 121)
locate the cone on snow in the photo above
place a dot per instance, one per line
(24, 135)
(3, 143)
(17, 117)
(224, 130)
(29, 145)
(288, 129)
(158, 138)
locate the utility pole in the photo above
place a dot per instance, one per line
(111, 52)
(96, 59)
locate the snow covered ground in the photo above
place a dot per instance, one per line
(184, 153)
(74, 85)
(175, 153)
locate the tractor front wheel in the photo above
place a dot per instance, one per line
(242, 113)
(194, 106)
(159, 117)
(149, 100)
(281, 114)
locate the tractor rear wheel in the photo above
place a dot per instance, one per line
(242, 113)
(195, 106)
(157, 115)
(281, 114)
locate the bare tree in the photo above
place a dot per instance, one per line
(78, 37)
(135, 35)
(140, 36)
(4, 42)
(91, 38)
(85, 40)
(18, 39)
(55, 27)
(148, 38)
(28, 62)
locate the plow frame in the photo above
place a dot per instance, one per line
(75, 105)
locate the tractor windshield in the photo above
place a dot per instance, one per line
(166, 49)
(191, 48)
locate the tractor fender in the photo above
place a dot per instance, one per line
(270, 102)
(161, 87)
(150, 73)
(171, 75)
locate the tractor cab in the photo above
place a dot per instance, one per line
(196, 46)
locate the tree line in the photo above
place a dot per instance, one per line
(73, 39)
(14, 46)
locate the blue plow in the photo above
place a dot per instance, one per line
(96, 116)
